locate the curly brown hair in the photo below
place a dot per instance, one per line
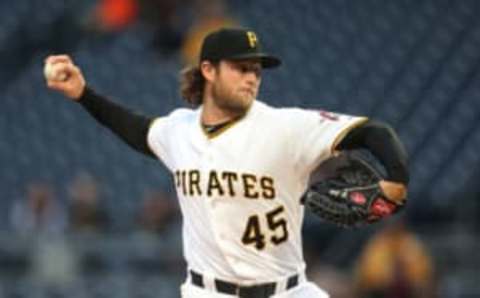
(192, 84)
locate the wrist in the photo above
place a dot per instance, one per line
(394, 191)
(82, 94)
(78, 95)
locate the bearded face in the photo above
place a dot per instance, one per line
(236, 85)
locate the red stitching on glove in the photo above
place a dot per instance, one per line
(382, 208)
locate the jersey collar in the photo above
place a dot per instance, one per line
(210, 134)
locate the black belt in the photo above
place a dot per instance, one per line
(264, 290)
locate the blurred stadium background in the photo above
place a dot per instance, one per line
(412, 63)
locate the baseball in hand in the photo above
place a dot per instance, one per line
(53, 72)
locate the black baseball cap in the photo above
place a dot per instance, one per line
(235, 44)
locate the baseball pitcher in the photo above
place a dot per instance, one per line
(242, 169)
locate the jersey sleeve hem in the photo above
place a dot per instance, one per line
(359, 121)
(152, 144)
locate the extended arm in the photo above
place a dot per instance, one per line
(131, 127)
(64, 76)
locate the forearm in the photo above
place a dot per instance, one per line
(129, 126)
(384, 143)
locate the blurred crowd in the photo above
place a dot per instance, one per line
(41, 212)
(178, 25)
(56, 242)
(393, 263)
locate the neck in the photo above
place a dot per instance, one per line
(212, 114)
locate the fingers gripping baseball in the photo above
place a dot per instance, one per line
(62, 75)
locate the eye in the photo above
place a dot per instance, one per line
(248, 67)
(244, 68)
(256, 69)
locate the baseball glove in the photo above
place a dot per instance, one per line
(345, 190)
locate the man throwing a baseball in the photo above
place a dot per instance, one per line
(240, 166)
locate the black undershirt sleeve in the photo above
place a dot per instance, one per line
(131, 127)
(384, 143)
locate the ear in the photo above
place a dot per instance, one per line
(209, 71)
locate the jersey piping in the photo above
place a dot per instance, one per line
(344, 132)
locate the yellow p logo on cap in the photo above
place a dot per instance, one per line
(252, 39)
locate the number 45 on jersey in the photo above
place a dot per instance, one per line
(275, 229)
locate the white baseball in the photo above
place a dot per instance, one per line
(53, 72)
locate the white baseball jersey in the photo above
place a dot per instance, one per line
(240, 189)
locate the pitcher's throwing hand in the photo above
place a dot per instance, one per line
(64, 76)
